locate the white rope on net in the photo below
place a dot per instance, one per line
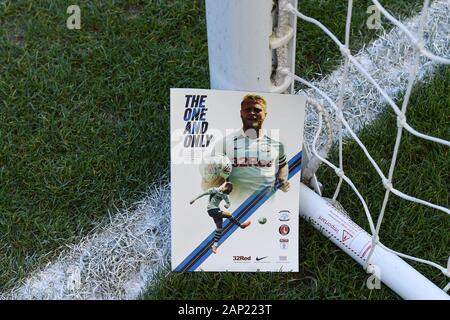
(339, 172)
(341, 97)
(366, 152)
(326, 139)
(321, 111)
(417, 41)
(346, 53)
(401, 120)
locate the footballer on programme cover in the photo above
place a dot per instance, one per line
(235, 177)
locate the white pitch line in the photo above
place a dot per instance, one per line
(116, 262)
(121, 259)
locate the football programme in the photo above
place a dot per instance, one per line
(235, 177)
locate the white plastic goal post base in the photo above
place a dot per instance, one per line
(353, 240)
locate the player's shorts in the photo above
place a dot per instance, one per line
(216, 214)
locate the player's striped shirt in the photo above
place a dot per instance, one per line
(215, 197)
(255, 161)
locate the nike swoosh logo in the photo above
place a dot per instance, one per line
(258, 259)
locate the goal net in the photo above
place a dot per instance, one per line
(265, 61)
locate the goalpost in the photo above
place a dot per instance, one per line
(251, 47)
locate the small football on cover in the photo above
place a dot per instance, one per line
(262, 220)
(215, 166)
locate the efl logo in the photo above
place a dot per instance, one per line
(284, 243)
(284, 229)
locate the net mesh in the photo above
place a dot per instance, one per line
(341, 118)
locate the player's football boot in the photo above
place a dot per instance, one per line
(245, 224)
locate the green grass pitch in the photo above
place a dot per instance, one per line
(84, 128)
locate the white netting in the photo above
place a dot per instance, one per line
(341, 116)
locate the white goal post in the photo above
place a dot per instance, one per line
(251, 46)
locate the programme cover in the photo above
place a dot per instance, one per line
(235, 178)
